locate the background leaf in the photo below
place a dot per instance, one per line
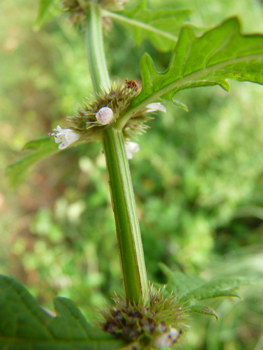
(45, 13)
(42, 147)
(25, 325)
(192, 289)
(160, 26)
(221, 53)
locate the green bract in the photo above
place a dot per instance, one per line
(146, 320)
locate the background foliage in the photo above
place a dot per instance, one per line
(198, 177)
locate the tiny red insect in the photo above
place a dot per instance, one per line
(131, 84)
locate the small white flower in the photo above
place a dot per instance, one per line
(66, 136)
(167, 339)
(130, 148)
(105, 115)
(156, 106)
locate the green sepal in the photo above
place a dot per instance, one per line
(24, 325)
(42, 148)
(180, 104)
(203, 310)
(145, 340)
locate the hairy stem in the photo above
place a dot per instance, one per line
(127, 224)
(124, 207)
(95, 50)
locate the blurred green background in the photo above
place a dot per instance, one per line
(198, 177)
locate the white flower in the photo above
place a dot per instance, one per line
(167, 339)
(66, 136)
(156, 106)
(130, 148)
(105, 115)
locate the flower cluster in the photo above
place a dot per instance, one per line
(157, 323)
(77, 9)
(96, 115)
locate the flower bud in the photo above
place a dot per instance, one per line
(130, 148)
(155, 106)
(105, 115)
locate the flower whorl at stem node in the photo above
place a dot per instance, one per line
(107, 107)
(157, 323)
(104, 109)
(77, 9)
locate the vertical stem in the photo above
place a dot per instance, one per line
(127, 224)
(95, 50)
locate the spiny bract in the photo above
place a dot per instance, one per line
(158, 322)
(87, 120)
(77, 9)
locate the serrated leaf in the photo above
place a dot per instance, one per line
(179, 282)
(221, 53)
(25, 326)
(45, 13)
(192, 289)
(42, 147)
(160, 26)
(204, 310)
(223, 287)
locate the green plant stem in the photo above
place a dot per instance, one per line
(95, 50)
(124, 207)
(127, 224)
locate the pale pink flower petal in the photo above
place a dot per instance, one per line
(65, 137)
(167, 339)
(130, 148)
(156, 106)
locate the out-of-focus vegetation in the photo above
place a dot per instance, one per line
(198, 177)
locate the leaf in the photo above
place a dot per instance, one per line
(192, 289)
(45, 12)
(160, 26)
(204, 310)
(25, 326)
(42, 147)
(220, 54)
